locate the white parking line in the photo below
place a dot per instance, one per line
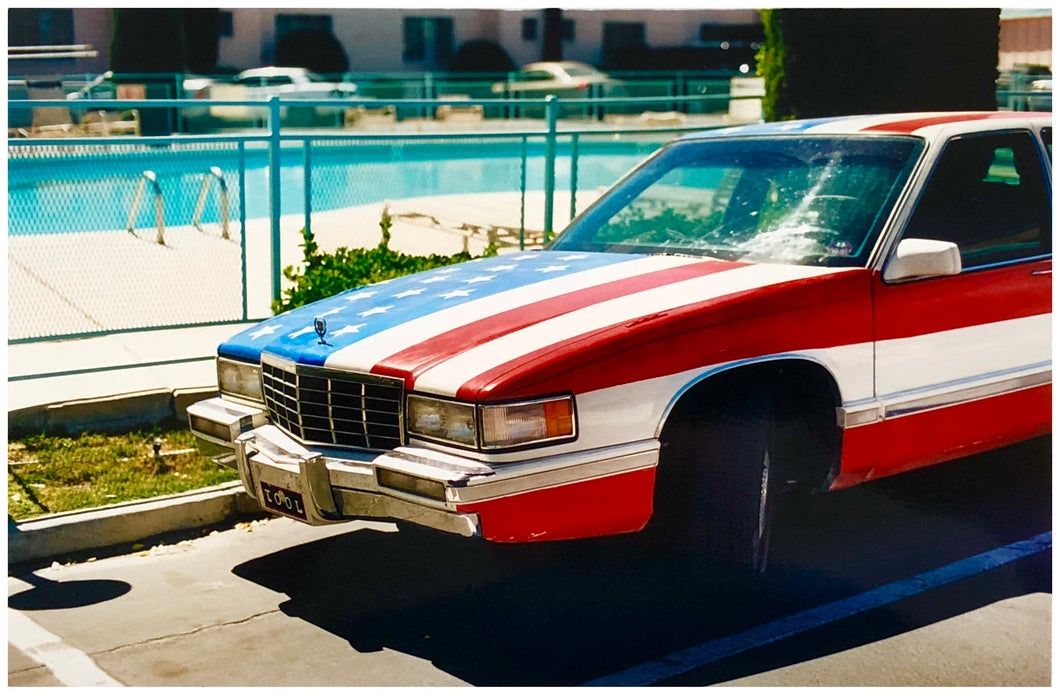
(709, 652)
(72, 667)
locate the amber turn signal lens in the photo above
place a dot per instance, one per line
(533, 422)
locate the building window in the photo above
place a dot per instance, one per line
(287, 23)
(428, 40)
(224, 24)
(621, 39)
(529, 29)
(568, 29)
(31, 27)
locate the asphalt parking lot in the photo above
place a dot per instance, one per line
(279, 603)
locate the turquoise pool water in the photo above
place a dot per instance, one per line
(82, 194)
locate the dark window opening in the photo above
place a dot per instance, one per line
(620, 38)
(529, 29)
(224, 24)
(33, 27)
(988, 195)
(287, 23)
(427, 40)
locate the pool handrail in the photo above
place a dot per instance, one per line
(145, 177)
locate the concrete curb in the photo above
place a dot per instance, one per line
(110, 413)
(70, 532)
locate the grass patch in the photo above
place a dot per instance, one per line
(50, 474)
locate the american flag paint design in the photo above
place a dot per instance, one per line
(442, 328)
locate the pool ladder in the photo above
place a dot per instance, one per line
(213, 174)
(145, 178)
(150, 177)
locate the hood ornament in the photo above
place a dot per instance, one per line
(321, 327)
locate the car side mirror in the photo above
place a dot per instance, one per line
(922, 258)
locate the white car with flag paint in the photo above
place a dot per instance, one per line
(808, 304)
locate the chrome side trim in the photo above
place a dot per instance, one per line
(901, 405)
(862, 414)
(967, 395)
(559, 470)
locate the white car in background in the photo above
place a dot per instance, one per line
(1042, 98)
(291, 83)
(287, 83)
(565, 78)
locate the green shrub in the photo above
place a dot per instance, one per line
(324, 275)
(770, 65)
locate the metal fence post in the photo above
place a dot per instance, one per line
(573, 173)
(428, 92)
(243, 223)
(274, 193)
(551, 112)
(522, 196)
(307, 179)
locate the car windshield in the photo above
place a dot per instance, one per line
(802, 200)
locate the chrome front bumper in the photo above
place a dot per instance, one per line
(322, 485)
(331, 490)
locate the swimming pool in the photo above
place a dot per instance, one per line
(57, 194)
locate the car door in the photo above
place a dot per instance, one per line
(963, 362)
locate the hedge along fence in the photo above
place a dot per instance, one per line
(324, 275)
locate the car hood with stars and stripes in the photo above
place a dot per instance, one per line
(474, 329)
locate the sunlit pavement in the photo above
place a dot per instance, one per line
(280, 603)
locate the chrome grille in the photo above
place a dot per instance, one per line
(326, 406)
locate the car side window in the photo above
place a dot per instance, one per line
(988, 195)
(534, 76)
(1047, 138)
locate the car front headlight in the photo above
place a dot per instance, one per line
(492, 427)
(239, 379)
(448, 421)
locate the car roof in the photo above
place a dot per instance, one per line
(922, 124)
(265, 72)
(559, 63)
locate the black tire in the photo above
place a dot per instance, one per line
(716, 492)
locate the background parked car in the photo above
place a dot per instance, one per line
(565, 79)
(1044, 101)
(291, 83)
(261, 84)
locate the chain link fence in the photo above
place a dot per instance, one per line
(133, 233)
(105, 238)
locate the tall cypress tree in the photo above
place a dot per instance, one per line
(835, 62)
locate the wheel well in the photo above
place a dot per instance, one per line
(805, 398)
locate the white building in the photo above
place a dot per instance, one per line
(389, 40)
(1026, 38)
